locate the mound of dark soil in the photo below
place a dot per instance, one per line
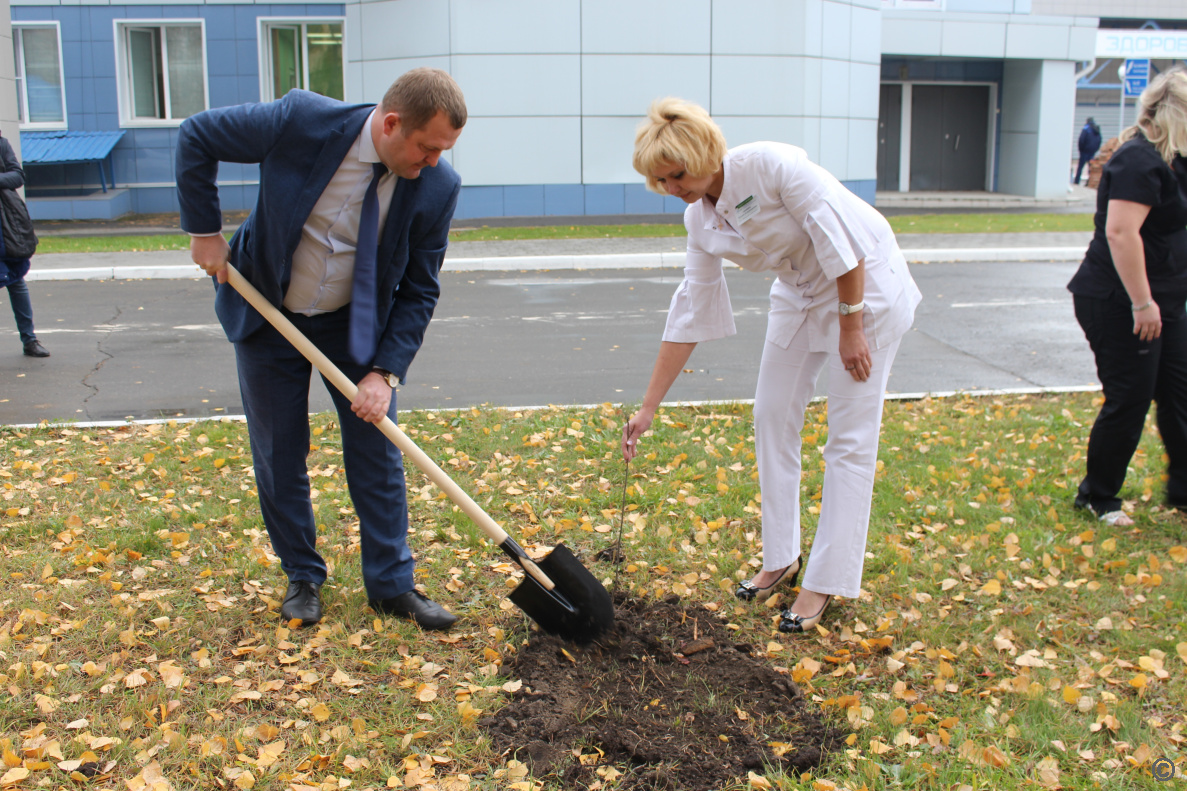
(670, 699)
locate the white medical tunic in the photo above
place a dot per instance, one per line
(780, 213)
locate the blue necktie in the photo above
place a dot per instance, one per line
(363, 319)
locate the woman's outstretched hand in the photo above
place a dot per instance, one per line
(633, 430)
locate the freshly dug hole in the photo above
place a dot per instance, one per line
(672, 698)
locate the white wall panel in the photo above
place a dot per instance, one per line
(378, 75)
(519, 151)
(608, 145)
(912, 36)
(834, 146)
(1057, 114)
(630, 26)
(811, 141)
(761, 85)
(1021, 96)
(864, 87)
(529, 26)
(353, 32)
(1037, 41)
(865, 44)
(973, 39)
(812, 27)
(813, 81)
(834, 88)
(781, 31)
(1082, 42)
(404, 29)
(353, 77)
(863, 150)
(836, 29)
(627, 84)
(783, 129)
(520, 84)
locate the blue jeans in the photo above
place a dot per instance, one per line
(274, 385)
(22, 309)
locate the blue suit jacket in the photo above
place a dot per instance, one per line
(299, 142)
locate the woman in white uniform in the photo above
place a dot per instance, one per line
(842, 296)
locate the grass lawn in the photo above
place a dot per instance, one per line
(1002, 640)
(914, 223)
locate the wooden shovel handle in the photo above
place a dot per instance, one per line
(409, 448)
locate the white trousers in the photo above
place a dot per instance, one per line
(786, 383)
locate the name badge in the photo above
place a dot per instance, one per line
(745, 210)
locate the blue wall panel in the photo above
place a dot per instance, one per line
(863, 188)
(604, 199)
(221, 59)
(479, 202)
(564, 199)
(527, 201)
(640, 200)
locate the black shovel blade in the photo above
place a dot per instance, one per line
(578, 608)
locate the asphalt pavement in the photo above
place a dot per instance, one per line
(528, 323)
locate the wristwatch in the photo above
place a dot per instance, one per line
(846, 309)
(391, 379)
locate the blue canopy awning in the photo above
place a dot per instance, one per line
(62, 148)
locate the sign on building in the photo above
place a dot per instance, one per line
(1137, 76)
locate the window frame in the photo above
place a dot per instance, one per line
(121, 28)
(264, 25)
(20, 82)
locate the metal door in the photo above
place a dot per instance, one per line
(890, 126)
(949, 137)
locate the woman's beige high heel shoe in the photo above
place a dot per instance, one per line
(748, 591)
(795, 623)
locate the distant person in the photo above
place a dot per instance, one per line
(841, 297)
(1129, 295)
(12, 274)
(1089, 145)
(347, 239)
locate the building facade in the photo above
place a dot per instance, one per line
(886, 94)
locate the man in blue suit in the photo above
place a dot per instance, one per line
(322, 164)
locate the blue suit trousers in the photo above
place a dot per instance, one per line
(274, 382)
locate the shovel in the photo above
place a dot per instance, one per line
(557, 592)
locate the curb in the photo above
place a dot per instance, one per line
(715, 402)
(565, 262)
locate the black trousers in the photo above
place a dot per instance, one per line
(1133, 373)
(1084, 160)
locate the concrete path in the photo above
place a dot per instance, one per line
(563, 254)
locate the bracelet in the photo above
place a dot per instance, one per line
(1140, 308)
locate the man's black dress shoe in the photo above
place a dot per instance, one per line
(302, 600)
(34, 349)
(426, 612)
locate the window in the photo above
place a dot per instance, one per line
(301, 54)
(39, 96)
(162, 71)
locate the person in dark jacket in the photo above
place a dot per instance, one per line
(13, 270)
(1089, 145)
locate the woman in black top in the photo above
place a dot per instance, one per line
(1130, 296)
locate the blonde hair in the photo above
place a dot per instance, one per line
(1162, 114)
(680, 133)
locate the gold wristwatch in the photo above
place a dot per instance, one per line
(389, 377)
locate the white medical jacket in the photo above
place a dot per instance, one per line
(780, 213)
